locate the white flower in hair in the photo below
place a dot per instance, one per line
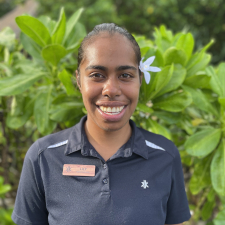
(145, 67)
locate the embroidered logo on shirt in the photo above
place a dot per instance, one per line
(58, 144)
(150, 144)
(144, 184)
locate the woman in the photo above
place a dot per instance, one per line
(104, 170)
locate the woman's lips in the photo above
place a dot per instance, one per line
(112, 116)
(111, 110)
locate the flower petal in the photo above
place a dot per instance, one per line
(154, 69)
(147, 77)
(149, 61)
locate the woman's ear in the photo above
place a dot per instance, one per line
(78, 80)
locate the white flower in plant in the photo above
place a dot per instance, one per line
(145, 67)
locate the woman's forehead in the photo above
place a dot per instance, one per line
(114, 49)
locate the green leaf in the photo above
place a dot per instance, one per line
(162, 79)
(219, 220)
(201, 176)
(174, 55)
(197, 63)
(211, 195)
(186, 125)
(218, 169)
(18, 84)
(214, 81)
(198, 81)
(30, 46)
(222, 102)
(156, 128)
(72, 22)
(53, 53)
(144, 108)
(41, 112)
(50, 24)
(65, 78)
(76, 35)
(66, 111)
(176, 80)
(203, 142)
(207, 210)
(221, 77)
(168, 117)
(15, 120)
(4, 187)
(6, 70)
(200, 100)
(7, 37)
(60, 29)
(175, 102)
(186, 43)
(74, 47)
(33, 28)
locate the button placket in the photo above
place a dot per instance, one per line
(105, 179)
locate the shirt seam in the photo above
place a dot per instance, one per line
(26, 220)
(182, 214)
(183, 210)
(40, 174)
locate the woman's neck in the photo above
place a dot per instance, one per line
(105, 142)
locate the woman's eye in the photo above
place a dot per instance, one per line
(126, 75)
(96, 75)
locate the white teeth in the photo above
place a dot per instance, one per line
(111, 111)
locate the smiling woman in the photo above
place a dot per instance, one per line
(104, 170)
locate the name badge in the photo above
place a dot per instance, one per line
(78, 170)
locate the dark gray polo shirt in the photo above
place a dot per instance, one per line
(142, 183)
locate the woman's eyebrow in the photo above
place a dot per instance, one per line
(97, 67)
(103, 68)
(126, 68)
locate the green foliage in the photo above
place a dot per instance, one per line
(185, 101)
(5, 214)
(204, 19)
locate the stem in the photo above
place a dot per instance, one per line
(4, 204)
(202, 199)
(6, 148)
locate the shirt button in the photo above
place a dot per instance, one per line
(105, 181)
(104, 166)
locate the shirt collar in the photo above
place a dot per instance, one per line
(78, 141)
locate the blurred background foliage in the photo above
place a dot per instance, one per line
(204, 18)
(184, 102)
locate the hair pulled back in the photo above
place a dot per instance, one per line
(111, 28)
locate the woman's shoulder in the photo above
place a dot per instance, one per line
(160, 142)
(55, 138)
(49, 141)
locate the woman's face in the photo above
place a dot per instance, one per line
(109, 81)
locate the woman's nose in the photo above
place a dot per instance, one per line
(111, 88)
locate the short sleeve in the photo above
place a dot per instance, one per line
(177, 205)
(30, 206)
